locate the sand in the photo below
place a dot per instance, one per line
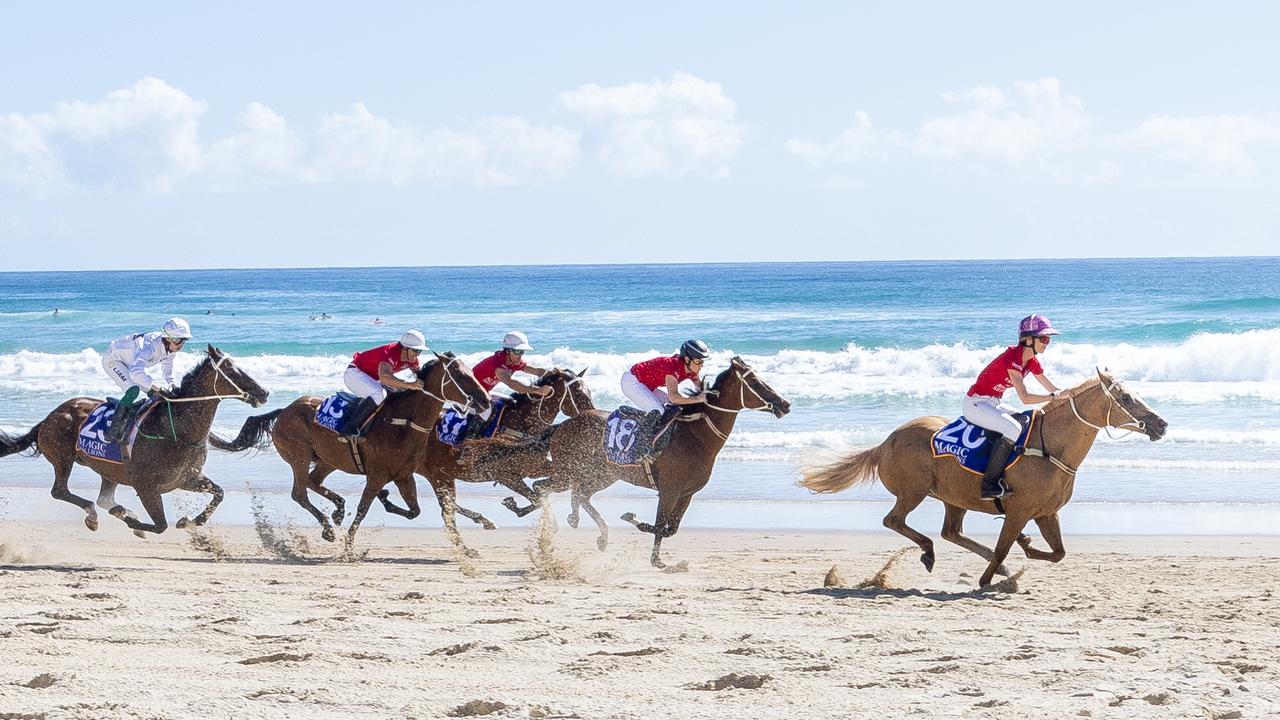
(220, 624)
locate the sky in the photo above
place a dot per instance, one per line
(235, 134)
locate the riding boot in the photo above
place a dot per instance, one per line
(357, 414)
(125, 410)
(993, 483)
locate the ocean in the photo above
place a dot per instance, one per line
(858, 348)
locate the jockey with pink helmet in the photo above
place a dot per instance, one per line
(982, 405)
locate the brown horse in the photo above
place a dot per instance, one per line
(169, 452)
(391, 449)
(1042, 480)
(578, 460)
(488, 460)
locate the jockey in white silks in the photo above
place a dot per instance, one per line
(128, 359)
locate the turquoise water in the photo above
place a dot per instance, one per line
(858, 347)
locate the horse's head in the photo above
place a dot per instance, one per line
(448, 379)
(232, 382)
(1134, 411)
(739, 388)
(568, 393)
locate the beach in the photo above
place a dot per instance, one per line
(271, 623)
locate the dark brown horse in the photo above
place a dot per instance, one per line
(578, 460)
(491, 460)
(169, 452)
(1042, 480)
(391, 450)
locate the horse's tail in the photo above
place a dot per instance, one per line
(853, 469)
(25, 444)
(255, 434)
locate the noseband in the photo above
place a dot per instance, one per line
(742, 401)
(1132, 425)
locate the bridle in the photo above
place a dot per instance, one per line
(743, 386)
(448, 379)
(569, 382)
(1132, 425)
(217, 366)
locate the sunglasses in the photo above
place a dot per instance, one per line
(516, 352)
(696, 361)
(1044, 338)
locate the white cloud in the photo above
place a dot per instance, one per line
(148, 136)
(861, 140)
(1217, 144)
(681, 127)
(1028, 129)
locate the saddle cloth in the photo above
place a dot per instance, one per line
(92, 440)
(454, 428)
(330, 413)
(970, 445)
(632, 435)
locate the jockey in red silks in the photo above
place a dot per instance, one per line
(982, 405)
(372, 372)
(653, 385)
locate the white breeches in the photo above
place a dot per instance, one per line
(991, 414)
(361, 384)
(643, 398)
(118, 372)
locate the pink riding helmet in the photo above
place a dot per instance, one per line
(1036, 325)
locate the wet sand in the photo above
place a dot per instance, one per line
(230, 622)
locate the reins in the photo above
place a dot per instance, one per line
(1137, 426)
(743, 386)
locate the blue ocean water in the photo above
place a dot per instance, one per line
(858, 347)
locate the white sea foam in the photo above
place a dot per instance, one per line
(1206, 368)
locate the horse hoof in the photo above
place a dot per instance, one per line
(488, 525)
(91, 523)
(327, 534)
(118, 511)
(1003, 571)
(510, 504)
(139, 533)
(182, 523)
(927, 559)
(629, 517)
(572, 520)
(602, 542)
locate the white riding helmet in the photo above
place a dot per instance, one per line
(414, 340)
(176, 329)
(516, 340)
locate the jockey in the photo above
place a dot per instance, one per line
(500, 366)
(653, 385)
(372, 372)
(126, 362)
(982, 405)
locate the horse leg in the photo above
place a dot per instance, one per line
(533, 493)
(447, 495)
(371, 488)
(409, 491)
(896, 521)
(153, 503)
(299, 495)
(663, 524)
(584, 499)
(575, 502)
(953, 531)
(1009, 533)
(107, 501)
(61, 473)
(1052, 534)
(201, 484)
(315, 482)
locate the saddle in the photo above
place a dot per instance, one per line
(635, 437)
(93, 439)
(454, 428)
(970, 445)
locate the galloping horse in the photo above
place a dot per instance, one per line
(579, 463)
(488, 461)
(1042, 480)
(168, 454)
(391, 449)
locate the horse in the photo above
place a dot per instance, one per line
(489, 461)
(169, 452)
(391, 449)
(578, 460)
(1043, 479)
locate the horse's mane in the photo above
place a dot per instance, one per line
(184, 385)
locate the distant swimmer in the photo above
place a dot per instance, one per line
(55, 312)
(208, 312)
(376, 321)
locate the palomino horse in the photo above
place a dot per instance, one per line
(391, 449)
(578, 460)
(169, 452)
(1042, 480)
(488, 461)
